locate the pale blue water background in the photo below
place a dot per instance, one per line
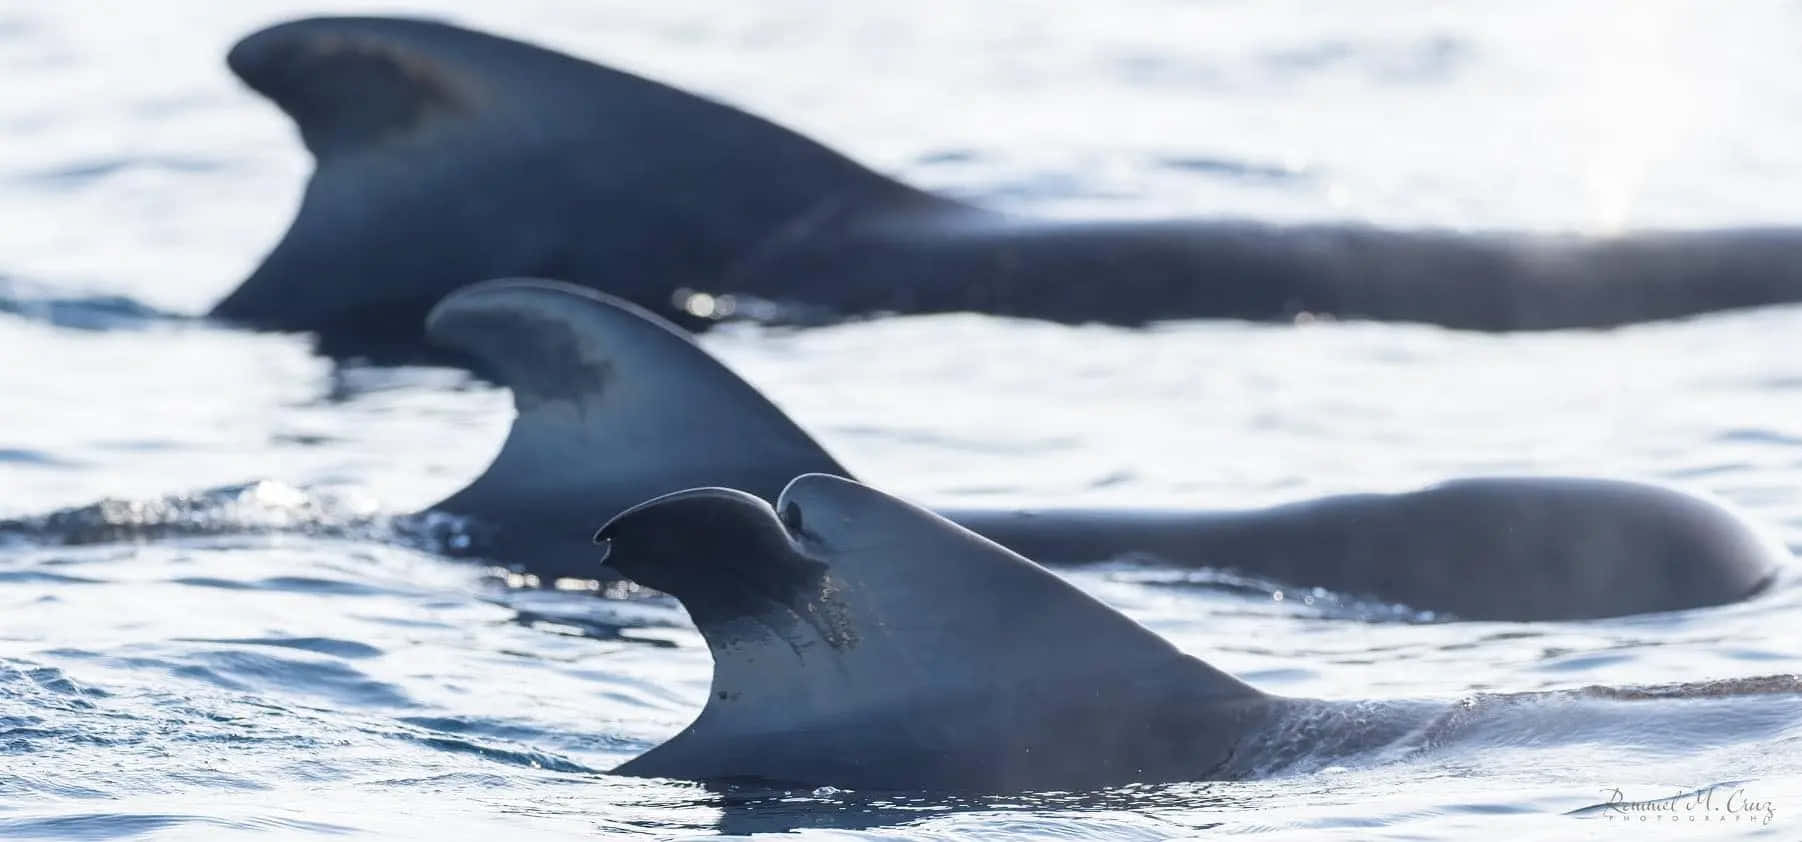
(264, 683)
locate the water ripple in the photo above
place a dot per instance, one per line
(93, 312)
(119, 825)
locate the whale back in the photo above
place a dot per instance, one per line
(446, 157)
(859, 640)
(614, 406)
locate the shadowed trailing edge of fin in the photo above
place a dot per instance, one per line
(615, 407)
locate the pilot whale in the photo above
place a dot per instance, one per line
(862, 642)
(446, 157)
(616, 406)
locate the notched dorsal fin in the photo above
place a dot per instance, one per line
(859, 639)
(933, 597)
(852, 605)
(615, 407)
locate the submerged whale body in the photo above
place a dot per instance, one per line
(859, 641)
(445, 157)
(616, 406)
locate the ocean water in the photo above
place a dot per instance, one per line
(268, 662)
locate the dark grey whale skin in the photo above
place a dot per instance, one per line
(446, 157)
(861, 642)
(616, 406)
(872, 652)
(1486, 548)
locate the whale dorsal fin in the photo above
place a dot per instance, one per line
(859, 639)
(615, 406)
(446, 157)
(350, 84)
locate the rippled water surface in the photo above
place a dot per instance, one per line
(280, 665)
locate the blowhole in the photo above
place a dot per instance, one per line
(791, 516)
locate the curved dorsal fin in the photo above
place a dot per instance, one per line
(354, 81)
(351, 84)
(615, 407)
(446, 157)
(859, 640)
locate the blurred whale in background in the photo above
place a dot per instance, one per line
(445, 157)
(616, 406)
(859, 641)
